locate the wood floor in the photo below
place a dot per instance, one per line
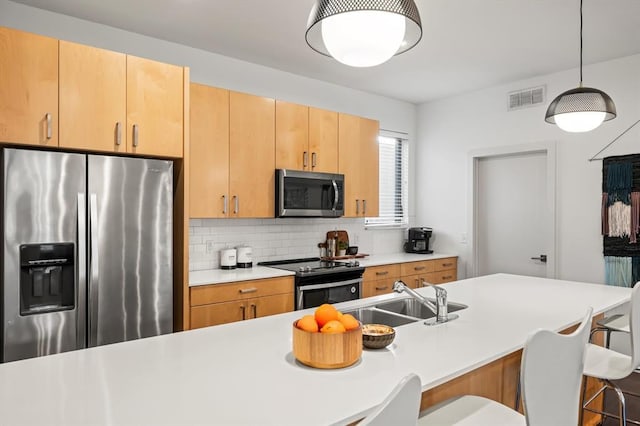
(631, 383)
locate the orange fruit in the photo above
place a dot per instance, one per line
(349, 322)
(333, 327)
(307, 323)
(325, 313)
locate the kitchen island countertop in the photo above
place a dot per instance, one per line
(244, 372)
(219, 276)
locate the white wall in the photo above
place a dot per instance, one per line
(221, 71)
(448, 129)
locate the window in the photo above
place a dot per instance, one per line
(394, 180)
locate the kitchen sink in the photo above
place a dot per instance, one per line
(397, 312)
(372, 315)
(413, 308)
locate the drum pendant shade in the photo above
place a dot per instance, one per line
(363, 33)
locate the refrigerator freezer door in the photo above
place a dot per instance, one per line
(130, 265)
(43, 214)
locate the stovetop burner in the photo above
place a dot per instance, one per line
(314, 266)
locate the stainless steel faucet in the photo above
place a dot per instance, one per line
(439, 309)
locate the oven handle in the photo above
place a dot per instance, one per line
(329, 285)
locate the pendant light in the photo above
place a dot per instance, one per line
(582, 109)
(363, 33)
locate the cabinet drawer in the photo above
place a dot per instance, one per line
(218, 313)
(216, 293)
(443, 264)
(413, 268)
(377, 287)
(440, 277)
(373, 273)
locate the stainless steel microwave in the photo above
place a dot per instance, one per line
(309, 194)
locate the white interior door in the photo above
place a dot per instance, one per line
(512, 214)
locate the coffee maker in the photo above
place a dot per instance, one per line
(418, 241)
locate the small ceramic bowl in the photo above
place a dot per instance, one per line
(377, 336)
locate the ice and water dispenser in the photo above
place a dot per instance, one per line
(47, 278)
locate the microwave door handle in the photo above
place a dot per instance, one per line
(337, 195)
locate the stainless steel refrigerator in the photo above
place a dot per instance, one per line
(87, 251)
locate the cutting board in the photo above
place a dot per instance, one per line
(341, 236)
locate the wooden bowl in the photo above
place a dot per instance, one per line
(377, 336)
(323, 350)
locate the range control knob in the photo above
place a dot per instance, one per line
(301, 269)
(308, 269)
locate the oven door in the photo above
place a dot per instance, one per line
(312, 295)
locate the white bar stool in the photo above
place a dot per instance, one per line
(400, 408)
(550, 374)
(607, 365)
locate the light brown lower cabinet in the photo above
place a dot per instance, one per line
(379, 280)
(229, 302)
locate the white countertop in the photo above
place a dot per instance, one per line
(218, 276)
(244, 372)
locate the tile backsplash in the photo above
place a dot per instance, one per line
(276, 239)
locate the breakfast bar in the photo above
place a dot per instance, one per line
(245, 373)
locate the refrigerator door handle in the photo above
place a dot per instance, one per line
(93, 271)
(81, 285)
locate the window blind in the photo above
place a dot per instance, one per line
(394, 182)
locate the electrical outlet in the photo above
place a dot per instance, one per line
(209, 246)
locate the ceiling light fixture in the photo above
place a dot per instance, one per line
(363, 33)
(581, 109)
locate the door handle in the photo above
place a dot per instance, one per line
(135, 135)
(542, 258)
(118, 133)
(224, 206)
(94, 272)
(305, 159)
(47, 117)
(314, 160)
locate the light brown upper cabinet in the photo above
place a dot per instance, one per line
(93, 98)
(155, 107)
(358, 160)
(251, 155)
(306, 138)
(209, 152)
(323, 140)
(28, 88)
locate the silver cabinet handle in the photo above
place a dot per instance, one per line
(94, 271)
(364, 207)
(47, 117)
(357, 206)
(255, 310)
(305, 159)
(224, 204)
(243, 312)
(236, 207)
(382, 288)
(135, 135)
(118, 133)
(419, 268)
(382, 273)
(248, 290)
(314, 159)
(542, 258)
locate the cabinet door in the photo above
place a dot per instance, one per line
(93, 98)
(350, 162)
(28, 88)
(251, 155)
(369, 172)
(155, 108)
(323, 140)
(377, 287)
(209, 152)
(218, 313)
(270, 305)
(292, 136)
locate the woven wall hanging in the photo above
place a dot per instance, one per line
(621, 219)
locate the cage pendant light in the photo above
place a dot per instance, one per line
(582, 109)
(363, 33)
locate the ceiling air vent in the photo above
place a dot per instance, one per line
(526, 98)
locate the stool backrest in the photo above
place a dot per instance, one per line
(400, 407)
(551, 375)
(634, 327)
